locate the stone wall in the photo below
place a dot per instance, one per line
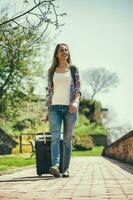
(122, 149)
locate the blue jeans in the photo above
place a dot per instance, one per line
(57, 114)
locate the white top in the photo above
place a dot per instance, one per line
(62, 82)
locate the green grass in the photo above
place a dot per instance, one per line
(96, 151)
(14, 161)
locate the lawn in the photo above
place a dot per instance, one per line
(10, 162)
(96, 151)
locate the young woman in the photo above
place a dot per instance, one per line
(63, 101)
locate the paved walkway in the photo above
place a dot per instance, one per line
(92, 178)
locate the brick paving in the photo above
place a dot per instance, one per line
(92, 178)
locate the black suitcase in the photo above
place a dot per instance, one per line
(43, 153)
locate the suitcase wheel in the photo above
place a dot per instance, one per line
(39, 173)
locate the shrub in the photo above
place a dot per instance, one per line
(83, 142)
(22, 124)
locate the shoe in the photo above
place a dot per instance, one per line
(66, 174)
(54, 170)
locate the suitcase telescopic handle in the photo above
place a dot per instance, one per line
(43, 125)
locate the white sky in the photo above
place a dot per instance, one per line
(100, 34)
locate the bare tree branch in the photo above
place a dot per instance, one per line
(25, 13)
(37, 39)
(23, 27)
(42, 14)
(99, 80)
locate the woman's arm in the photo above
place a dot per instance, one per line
(74, 105)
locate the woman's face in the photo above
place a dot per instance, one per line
(62, 53)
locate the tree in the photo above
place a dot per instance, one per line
(18, 68)
(92, 109)
(38, 15)
(99, 80)
(20, 39)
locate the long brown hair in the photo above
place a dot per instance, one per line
(55, 61)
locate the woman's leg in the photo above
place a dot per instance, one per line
(55, 120)
(69, 120)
